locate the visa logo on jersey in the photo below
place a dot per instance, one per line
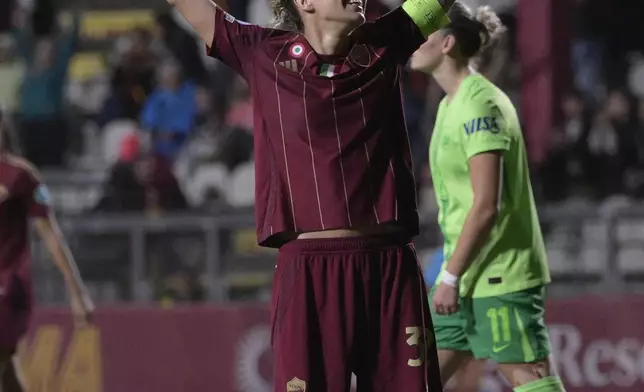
(481, 124)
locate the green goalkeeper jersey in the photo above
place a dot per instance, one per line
(481, 118)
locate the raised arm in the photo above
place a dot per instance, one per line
(232, 41)
(406, 28)
(38, 201)
(201, 14)
(428, 15)
(68, 46)
(82, 305)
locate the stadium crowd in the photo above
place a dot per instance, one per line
(168, 129)
(161, 102)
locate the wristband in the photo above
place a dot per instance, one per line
(428, 15)
(450, 279)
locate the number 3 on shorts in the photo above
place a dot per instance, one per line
(415, 339)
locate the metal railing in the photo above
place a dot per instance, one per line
(131, 256)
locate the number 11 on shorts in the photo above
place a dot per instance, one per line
(415, 339)
(500, 325)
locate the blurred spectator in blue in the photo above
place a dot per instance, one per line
(588, 47)
(133, 79)
(433, 267)
(169, 113)
(183, 47)
(43, 128)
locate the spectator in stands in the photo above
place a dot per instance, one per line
(162, 190)
(11, 75)
(182, 285)
(43, 128)
(183, 47)
(621, 116)
(568, 158)
(240, 114)
(236, 140)
(606, 164)
(209, 114)
(169, 113)
(140, 183)
(640, 132)
(588, 41)
(205, 140)
(635, 176)
(414, 88)
(133, 80)
(123, 191)
(7, 8)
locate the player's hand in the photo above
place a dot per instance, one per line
(82, 310)
(446, 299)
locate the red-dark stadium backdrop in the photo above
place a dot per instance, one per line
(599, 345)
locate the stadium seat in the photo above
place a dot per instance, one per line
(630, 260)
(558, 261)
(109, 292)
(205, 178)
(113, 135)
(592, 260)
(241, 192)
(594, 233)
(629, 231)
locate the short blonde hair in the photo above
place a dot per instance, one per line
(474, 30)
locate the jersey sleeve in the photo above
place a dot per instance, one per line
(406, 28)
(234, 41)
(484, 128)
(38, 198)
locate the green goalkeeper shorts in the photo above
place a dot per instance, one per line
(507, 329)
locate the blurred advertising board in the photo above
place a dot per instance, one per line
(599, 344)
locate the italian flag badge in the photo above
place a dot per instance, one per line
(327, 70)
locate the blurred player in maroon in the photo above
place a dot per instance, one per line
(334, 188)
(23, 196)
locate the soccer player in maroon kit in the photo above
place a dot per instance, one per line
(334, 188)
(23, 196)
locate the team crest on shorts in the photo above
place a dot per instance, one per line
(296, 385)
(297, 50)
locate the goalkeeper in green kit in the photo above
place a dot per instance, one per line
(488, 301)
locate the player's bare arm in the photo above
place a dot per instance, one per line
(485, 176)
(200, 14)
(82, 305)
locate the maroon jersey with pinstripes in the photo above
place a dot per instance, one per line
(22, 196)
(331, 146)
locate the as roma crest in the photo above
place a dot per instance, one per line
(360, 56)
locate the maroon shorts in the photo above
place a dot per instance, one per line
(352, 305)
(15, 309)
